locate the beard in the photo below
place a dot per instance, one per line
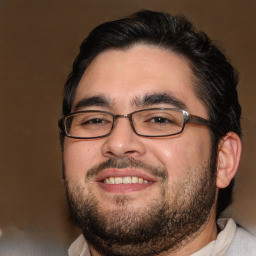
(165, 223)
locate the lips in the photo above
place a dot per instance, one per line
(124, 180)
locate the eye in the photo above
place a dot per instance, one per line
(94, 121)
(91, 120)
(160, 120)
(155, 118)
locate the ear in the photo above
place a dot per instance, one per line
(229, 153)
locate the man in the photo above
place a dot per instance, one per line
(151, 141)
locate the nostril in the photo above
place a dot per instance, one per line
(110, 154)
(120, 154)
(130, 152)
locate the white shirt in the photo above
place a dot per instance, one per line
(231, 241)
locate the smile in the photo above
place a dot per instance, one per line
(125, 180)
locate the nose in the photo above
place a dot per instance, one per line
(123, 141)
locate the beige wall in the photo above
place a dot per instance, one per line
(38, 42)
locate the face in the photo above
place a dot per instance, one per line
(171, 190)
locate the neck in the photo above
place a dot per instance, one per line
(204, 236)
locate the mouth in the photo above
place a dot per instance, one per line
(122, 181)
(125, 180)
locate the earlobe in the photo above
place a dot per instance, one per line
(229, 154)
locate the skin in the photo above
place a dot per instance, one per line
(145, 70)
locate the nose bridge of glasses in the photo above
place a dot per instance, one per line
(124, 116)
(129, 116)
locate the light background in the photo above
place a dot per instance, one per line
(38, 43)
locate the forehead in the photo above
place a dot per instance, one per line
(126, 76)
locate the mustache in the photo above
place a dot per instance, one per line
(127, 162)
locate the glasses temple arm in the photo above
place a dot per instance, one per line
(199, 120)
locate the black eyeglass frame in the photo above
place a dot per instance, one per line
(187, 118)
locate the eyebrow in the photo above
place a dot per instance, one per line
(147, 100)
(98, 100)
(159, 98)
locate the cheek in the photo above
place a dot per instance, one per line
(79, 156)
(182, 153)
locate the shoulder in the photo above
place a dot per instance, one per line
(79, 247)
(243, 243)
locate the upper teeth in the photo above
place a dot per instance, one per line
(124, 180)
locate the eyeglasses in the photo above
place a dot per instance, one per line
(154, 122)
